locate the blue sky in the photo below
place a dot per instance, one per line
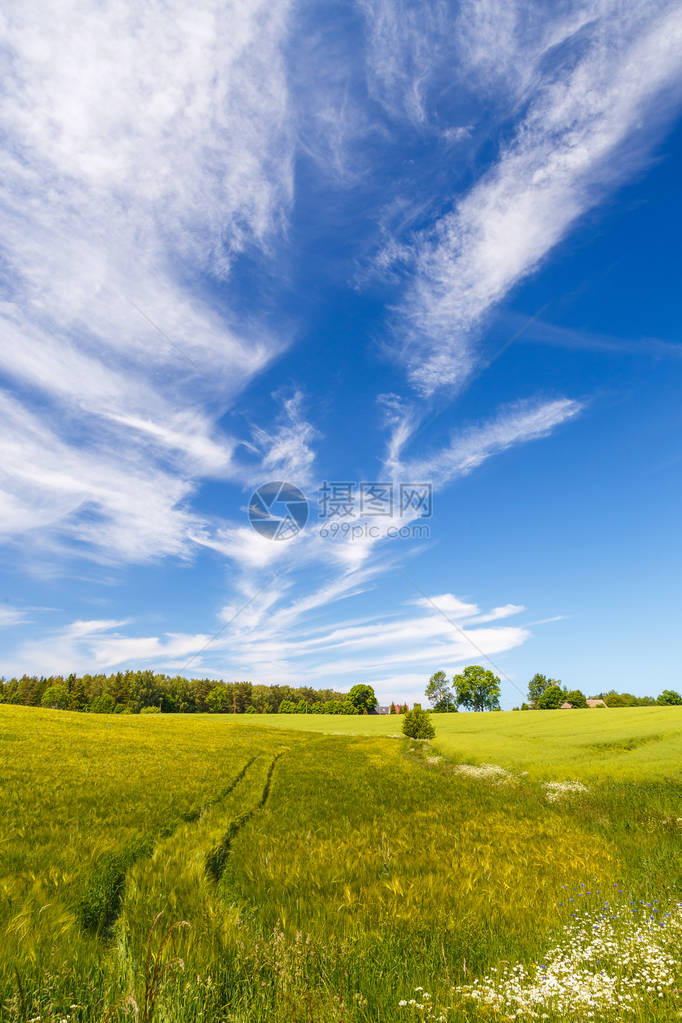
(366, 242)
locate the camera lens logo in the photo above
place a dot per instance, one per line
(278, 510)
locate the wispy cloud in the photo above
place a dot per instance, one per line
(292, 453)
(148, 175)
(419, 55)
(596, 111)
(133, 175)
(264, 646)
(113, 504)
(516, 424)
(540, 332)
(12, 616)
(98, 645)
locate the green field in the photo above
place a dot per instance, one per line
(635, 743)
(312, 868)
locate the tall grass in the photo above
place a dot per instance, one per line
(323, 877)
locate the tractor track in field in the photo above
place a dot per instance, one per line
(100, 902)
(216, 859)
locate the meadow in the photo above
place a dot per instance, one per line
(633, 743)
(306, 868)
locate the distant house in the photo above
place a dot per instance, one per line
(382, 710)
(566, 706)
(596, 703)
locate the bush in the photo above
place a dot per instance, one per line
(417, 724)
(250, 709)
(150, 710)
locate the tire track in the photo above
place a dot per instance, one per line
(100, 902)
(216, 859)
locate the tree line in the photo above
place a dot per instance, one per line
(135, 692)
(478, 689)
(546, 693)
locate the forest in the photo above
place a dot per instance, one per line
(135, 692)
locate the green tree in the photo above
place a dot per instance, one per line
(669, 698)
(537, 686)
(551, 699)
(103, 704)
(439, 692)
(576, 698)
(362, 698)
(417, 724)
(218, 700)
(477, 688)
(55, 697)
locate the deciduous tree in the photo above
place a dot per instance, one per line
(670, 698)
(551, 699)
(439, 692)
(477, 688)
(362, 698)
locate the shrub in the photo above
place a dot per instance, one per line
(250, 709)
(150, 710)
(417, 724)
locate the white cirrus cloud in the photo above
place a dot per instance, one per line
(597, 107)
(145, 148)
(514, 424)
(12, 616)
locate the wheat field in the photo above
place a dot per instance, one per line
(305, 868)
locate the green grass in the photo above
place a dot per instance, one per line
(324, 869)
(633, 743)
